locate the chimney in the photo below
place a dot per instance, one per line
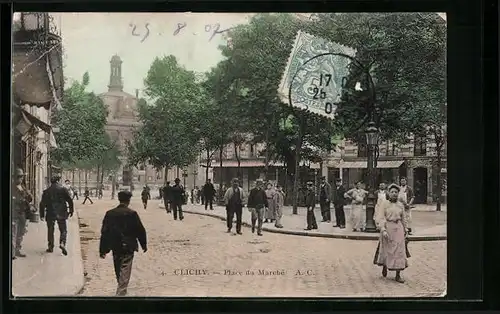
(137, 93)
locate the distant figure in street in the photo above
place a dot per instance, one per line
(257, 203)
(358, 212)
(178, 196)
(208, 194)
(21, 200)
(99, 193)
(392, 251)
(87, 196)
(75, 193)
(67, 186)
(279, 201)
(325, 191)
(310, 204)
(167, 196)
(145, 196)
(339, 203)
(270, 214)
(197, 195)
(121, 229)
(56, 205)
(234, 199)
(382, 196)
(407, 197)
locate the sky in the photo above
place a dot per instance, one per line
(91, 39)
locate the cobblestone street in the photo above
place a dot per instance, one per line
(190, 258)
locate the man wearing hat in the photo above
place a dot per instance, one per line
(21, 199)
(178, 196)
(257, 202)
(338, 203)
(121, 229)
(54, 207)
(234, 199)
(310, 204)
(324, 200)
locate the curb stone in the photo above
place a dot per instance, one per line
(367, 236)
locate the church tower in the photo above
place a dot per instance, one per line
(115, 78)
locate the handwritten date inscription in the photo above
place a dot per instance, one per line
(143, 31)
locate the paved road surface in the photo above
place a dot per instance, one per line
(303, 266)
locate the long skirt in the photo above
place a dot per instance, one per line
(358, 216)
(271, 210)
(392, 252)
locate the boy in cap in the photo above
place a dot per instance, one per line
(257, 202)
(121, 229)
(310, 204)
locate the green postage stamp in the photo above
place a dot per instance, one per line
(315, 79)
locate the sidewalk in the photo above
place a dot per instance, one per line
(48, 274)
(428, 225)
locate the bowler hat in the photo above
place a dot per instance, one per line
(177, 180)
(124, 196)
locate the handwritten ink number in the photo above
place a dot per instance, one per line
(328, 108)
(321, 92)
(134, 29)
(328, 78)
(180, 26)
(215, 29)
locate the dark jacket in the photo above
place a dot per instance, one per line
(167, 192)
(121, 229)
(20, 202)
(338, 196)
(56, 203)
(257, 199)
(145, 195)
(325, 193)
(310, 199)
(177, 194)
(86, 193)
(208, 190)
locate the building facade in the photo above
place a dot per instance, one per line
(37, 87)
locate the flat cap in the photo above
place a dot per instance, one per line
(124, 196)
(55, 178)
(394, 186)
(177, 180)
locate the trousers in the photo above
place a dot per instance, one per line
(166, 203)
(87, 198)
(177, 207)
(340, 215)
(63, 231)
(325, 211)
(279, 215)
(122, 262)
(257, 217)
(311, 220)
(209, 201)
(231, 211)
(18, 231)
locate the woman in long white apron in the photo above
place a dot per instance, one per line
(358, 211)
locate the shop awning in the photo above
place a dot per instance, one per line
(245, 164)
(385, 164)
(52, 140)
(36, 122)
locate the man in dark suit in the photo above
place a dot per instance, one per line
(178, 196)
(208, 194)
(121, 229)
(234, 199)
(257, 203)
(56, 205)
(324, 200)
(167, 196)
(338, 203)
(87, 196)
(310, 204)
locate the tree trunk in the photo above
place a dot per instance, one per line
(73, 177)
(220, 169)
(298, 149)
(86, 179)
(165, 178)
(439, 184)
(79, 181)
(238, 172)
(97, 179)
(209, 163)
(102, 178)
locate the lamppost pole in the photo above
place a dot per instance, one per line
(372, 135)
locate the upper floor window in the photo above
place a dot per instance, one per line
(420, 145)
(391, 149)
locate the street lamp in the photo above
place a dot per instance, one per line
(184, 176)
(372, 138)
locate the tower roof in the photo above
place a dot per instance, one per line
(116, 58)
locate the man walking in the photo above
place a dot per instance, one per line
(87, 196)
(338, 203)
(167, 196)
(121, 229)
(178, 196)
(324, 200)
(279, 201)
(407, 197)
(145, 196)
(257, 203)
(234, 199)
(75, 193)
(21, 199)
(310, 204)
(56, 205)
(208, 194)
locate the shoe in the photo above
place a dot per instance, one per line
(50, 250)
(239, 232)
(384, 271)
(335, 226)
(342, 227)
(63, 249)
(253, 229)
(182, 218)
(259, 234)
(19, 254)
(323, 220)
(228, 231)
(266, 221)
(175, 218)
(13, 257)
(399, 279)
(308, 229)
(328, 221)
(315, 228)
(278, 226)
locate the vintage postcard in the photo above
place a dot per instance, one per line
(229, 154)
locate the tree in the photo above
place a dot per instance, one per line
(167, 135)
(81, 123)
